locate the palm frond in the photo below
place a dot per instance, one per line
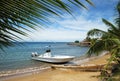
(110, 41)
(110, 25)
(101, 45)
(89, 1)
(95, 48)
(77, 1)
(19, 15)
(117, 22)
(114, 33)
(114, 30)
(118, 7)
(96, 32)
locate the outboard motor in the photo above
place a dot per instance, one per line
(34, 54)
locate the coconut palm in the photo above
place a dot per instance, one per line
(107, 40)
(19, 15)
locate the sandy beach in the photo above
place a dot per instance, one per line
(63, 75)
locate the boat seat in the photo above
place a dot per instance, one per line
(48, 54)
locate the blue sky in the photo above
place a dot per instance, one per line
(67, 28)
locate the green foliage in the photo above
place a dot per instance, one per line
(109, 41)
(18, 16)
(77, 41)
(95, 32)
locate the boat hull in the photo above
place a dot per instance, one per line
(54, 59)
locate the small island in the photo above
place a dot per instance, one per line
(85, 42)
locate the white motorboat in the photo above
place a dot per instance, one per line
(47, 57)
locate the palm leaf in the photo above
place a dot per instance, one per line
(110, 41)
(110, 25)
(117, 22)
(102, 45)
(77, 1)
(113, 29)
(118, 8)
(96, 32)
(89, 1)
(25, 14)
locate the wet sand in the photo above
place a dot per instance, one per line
(59, 75)
(63, 75)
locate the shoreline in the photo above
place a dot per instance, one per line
(22, 72)
(36, 70)
(76, 61)
(26, 71)
(87, 59)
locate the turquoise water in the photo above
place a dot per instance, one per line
(19, 56)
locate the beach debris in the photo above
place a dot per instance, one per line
(82, 67)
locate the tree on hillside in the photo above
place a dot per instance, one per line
(19, 15)
(108, 40)
(77, 41)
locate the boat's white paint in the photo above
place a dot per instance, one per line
(53, 59)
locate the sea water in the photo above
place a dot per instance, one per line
(19, 56)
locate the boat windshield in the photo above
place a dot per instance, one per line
(48, 50)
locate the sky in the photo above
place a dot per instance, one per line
(69, 29)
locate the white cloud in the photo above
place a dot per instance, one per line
(69, 30)
(55, 35)
(84, 24)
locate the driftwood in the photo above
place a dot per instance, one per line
(83, 67)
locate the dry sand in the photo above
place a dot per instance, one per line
(101, 60)
(64, 75)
